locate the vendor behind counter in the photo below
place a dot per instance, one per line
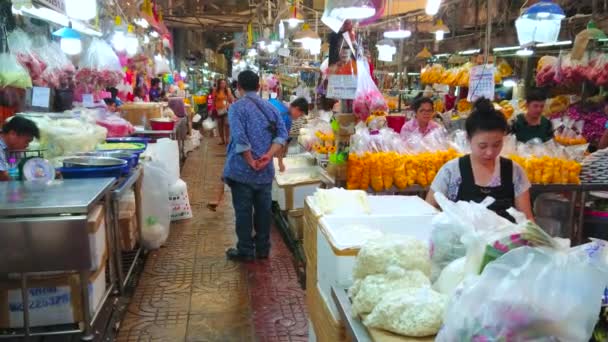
(532, 124)
(16, 135)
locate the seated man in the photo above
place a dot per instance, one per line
(16, 135)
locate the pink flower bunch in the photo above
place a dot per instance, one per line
(368, 101)
(594, 122)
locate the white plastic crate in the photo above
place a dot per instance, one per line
(336, 251)
(291, 188)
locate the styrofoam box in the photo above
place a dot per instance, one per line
(334, 267)
(97, 236)
(54, 304)
(387, 206)
(307, 181)
(297, 161)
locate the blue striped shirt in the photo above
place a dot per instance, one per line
(249, 131)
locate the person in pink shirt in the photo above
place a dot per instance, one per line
(423, 122)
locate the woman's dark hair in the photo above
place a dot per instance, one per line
(109, 101)
(249, 80)
(300, 103)
(21, 126)
(155, 81)
(419, 102)
(536, 95)
(219, 82)
(485, 118)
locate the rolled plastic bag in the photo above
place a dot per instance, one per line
(155, 208)
(530, 294)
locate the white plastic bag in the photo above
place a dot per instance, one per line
(209, 124)
(168, 155)
(179, 201)
(155, 209)
(531, 294)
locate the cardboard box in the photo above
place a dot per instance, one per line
(129, 233)
(96, 225)
(53, 300)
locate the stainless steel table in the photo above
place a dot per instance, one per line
(43, 229)
(116, 194)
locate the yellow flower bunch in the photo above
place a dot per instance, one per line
(566, 141)
(506, 109)
(388, 170)
(200, 100)
(432, 74)
(325, 137)
(549, 170)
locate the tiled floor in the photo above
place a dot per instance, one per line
(190, 292)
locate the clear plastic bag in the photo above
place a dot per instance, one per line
(20, 44)
(531, 294)
(209, 124)
(99, 67)
(368, 99)
(60, 71)
(12, 74)
(155, 208)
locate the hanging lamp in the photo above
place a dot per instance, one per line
(386, 50)
(296, 18)
(440, 29)
(352, 9)
(70, 40)
(131, 42)
(539, 23)
(397, 32)
(432, 7)
(119, 41)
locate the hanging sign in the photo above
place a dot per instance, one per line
(41, 97)
(481, 82)
(88, 101)
(56, 5)
(341, 87)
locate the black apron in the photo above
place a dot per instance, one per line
(503, 194)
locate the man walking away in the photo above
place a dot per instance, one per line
(257, 133)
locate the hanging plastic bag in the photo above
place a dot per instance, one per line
(99, 67)
(60, 71)
(155, 208)
(368, 99)
(161, 66)
(531, 294)
(20, 44)
(12, 74)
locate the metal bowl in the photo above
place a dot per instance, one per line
(110, 154)
(92, 161)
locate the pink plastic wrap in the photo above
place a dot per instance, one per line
(117, 127)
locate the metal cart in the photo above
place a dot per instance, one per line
(43, 228)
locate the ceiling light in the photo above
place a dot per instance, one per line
(509, 83)
(386, 50)
(544, 10)
(295, 19)
(70, 40)
(506, 48)
(563, 42)
(524, 52)
(413, 74)
(353, 9)
(141, 22)
(432, 6)
(154, 34)
(440, 30)
(396, 32)
(305, 34)
(470, 52)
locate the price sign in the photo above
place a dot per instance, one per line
(342, 87)
(88, 101)
(481, 82)
(41, 97)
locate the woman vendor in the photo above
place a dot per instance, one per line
(483, 172)
(423, 122)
